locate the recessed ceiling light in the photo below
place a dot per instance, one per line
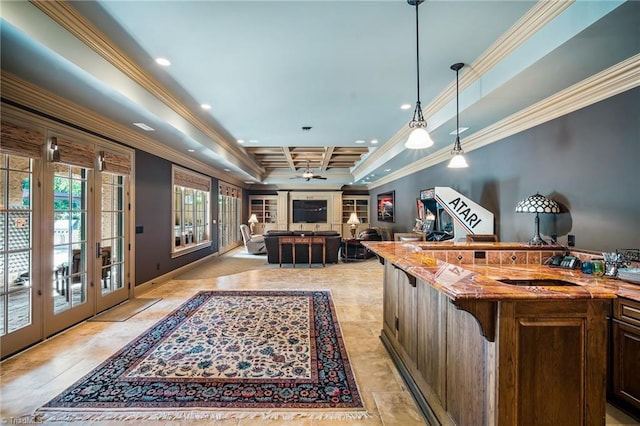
(359, 141)
(240, 141)
(144, 127)
(462, 129)
(374, 141)
(248, 182)
(387, 170)
(405, 106)
(227, 170)
(191, 150)
(163, 61)
(205, 106)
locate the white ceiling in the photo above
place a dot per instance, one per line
(268, 68)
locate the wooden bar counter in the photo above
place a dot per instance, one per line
(476, 351)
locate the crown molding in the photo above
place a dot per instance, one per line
(607, 83)
(29, 95)
(536, 18)
(612, 81)
(68, 18)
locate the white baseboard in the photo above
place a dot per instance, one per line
(161, 279)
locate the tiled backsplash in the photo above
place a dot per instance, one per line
(507, 257)
(493, 257)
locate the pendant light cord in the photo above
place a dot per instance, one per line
(457, 109)
(417, 52)
(457, 67)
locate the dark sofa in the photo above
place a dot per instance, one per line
(332, 242)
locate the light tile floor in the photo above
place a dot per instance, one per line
(36, 375)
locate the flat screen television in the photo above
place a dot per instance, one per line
(310, 211)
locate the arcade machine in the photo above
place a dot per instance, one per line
(445, 214)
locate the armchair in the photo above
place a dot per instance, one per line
(253, 243)
(351, 249)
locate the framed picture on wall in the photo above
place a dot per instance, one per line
(386, 206)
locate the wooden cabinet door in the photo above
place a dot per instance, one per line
(626, 365)
(390, 304)
(432, 340)
(407, 314)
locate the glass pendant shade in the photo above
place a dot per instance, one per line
(457, 162)
(419, 139)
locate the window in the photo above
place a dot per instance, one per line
(191, 211)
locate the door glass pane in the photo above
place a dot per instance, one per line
(177, 214)
(20, 312)
(70, 275)
(188, 215)
(4, 299)
(112, 241)
(3, 304)
(3, 185)
(15, 243)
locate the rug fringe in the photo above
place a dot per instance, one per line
(68, 416)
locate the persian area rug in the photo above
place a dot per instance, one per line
(242, 354)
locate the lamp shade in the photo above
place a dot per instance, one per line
(419, 139)
(457, 162)
(537, 204)
(253, 219)
(353, 219)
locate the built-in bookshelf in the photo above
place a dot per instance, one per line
(276, 211)
(358, 204)
(265, 207)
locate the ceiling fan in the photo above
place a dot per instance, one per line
(308, 174)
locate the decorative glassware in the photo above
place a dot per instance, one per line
(598, 267)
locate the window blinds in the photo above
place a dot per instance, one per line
(230, 191)
(73, 153)
(21, 141)
(117, 164)
(182, 177)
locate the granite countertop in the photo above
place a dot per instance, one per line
(468, 281)
(463, 245)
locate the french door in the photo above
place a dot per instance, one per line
(229, 217)
(20, 294)
(68, 298)
(90, 248)
(64, 234)
(112, 247)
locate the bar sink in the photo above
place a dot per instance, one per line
(543, 282)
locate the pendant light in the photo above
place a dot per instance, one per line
(457, 161)
(419, 137)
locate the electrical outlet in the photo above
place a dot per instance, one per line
(157, 267)
(571, 240)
